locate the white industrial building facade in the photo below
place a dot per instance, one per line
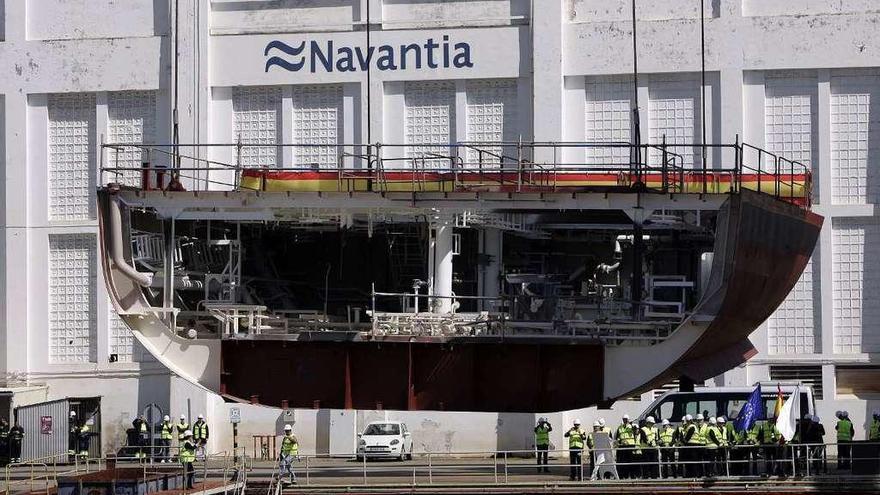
(800, 80)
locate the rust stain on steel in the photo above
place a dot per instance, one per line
(505, 377)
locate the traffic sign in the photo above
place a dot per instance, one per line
(234, 415)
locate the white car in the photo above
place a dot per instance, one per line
(385, 439)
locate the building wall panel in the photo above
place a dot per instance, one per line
(72, 156)
(608, 119)
(794, 327)
(256, 115)
(83, 19)
(72, 306)
(431, 13)
(855, 138)
(807, 7)
(317, 119)
(237, 17)
(649, 10)
(856, 285)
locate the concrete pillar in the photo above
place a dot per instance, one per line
(442, 261)
(490, 271)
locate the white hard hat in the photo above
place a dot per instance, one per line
(201, 417)
(542, 419)
(712, 421)
(72, 413)
(688, 417)
(684, 418)
(699, 417)
(187, 433)
(650, 419)
(597, 425)
(577, 421)
(183, 417)
(665, 422)
(626, 417)
(721, 419)
(288, 428)
(166, 418)
(601, 421)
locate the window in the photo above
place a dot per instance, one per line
(382, 429)
(856, 286)
(255, 121)
(790, 115)
(608, 120)
(71, 156)
(855, 138)
(674, 112)
(807, 375)
(132, 119)
(317, 119)
(491, 117)
(72, 309)
(792, 328)
(430, 118)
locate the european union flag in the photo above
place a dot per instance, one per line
(750, 412)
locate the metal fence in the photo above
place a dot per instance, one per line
(466, 166)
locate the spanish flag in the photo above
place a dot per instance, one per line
(779, 401)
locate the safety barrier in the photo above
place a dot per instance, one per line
(464, 167)
(229, 470)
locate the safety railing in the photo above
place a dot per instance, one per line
(620, 464)
(460, 167)
(228, 470)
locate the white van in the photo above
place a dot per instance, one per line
(722, 401)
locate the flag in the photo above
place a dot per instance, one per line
(751, 411)
(786, 422)
(779, 401)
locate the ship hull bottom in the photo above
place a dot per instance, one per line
(497, 377)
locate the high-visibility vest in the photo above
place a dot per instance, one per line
(667, 436)
(187, 452)
(844, 430)
(576, 438)
(713, 437)
(542, 435)
(166, 430)
(771, 434)
(605, 429)
(181, 429)
(625, 437)
(289, 445)
(591, 442)
(649, 438)
(200, 430)
(874, 431)
(143, 427)
(694, 431)
(752, 434)
(726, 435)
(16, 433)
(702, 432)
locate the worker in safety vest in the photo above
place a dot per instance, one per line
(714, 443)
(692, 448)
(591, 444)
(576, 440)
(648, 443)
(542, 443)
(165, 436)
(181, 426)
(15, 437)
(142, 434)
(187, 457)
(200, 435)
(289, 451)
(845, 434)
(626, 442)
(874, 427)
(604, 428)
(666, 441)
(768, 437)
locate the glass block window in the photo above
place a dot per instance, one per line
(790, 116)
(317, 119)
(122, 342)
(132, 119)
(72, 309)
(608, 119)
(674, 112)
(792, 329)
(491, 117)
(855, 139)
(430, 120)
(255, 114)
(72, 168)
(856, 286)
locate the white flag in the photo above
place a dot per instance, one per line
(786, 423)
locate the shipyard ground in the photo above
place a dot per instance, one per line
(481, 475)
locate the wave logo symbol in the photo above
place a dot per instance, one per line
(288, 50)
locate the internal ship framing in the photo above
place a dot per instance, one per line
(509, 276)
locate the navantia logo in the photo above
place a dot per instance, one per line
(318, 56)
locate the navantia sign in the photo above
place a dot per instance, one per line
(328, 56)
